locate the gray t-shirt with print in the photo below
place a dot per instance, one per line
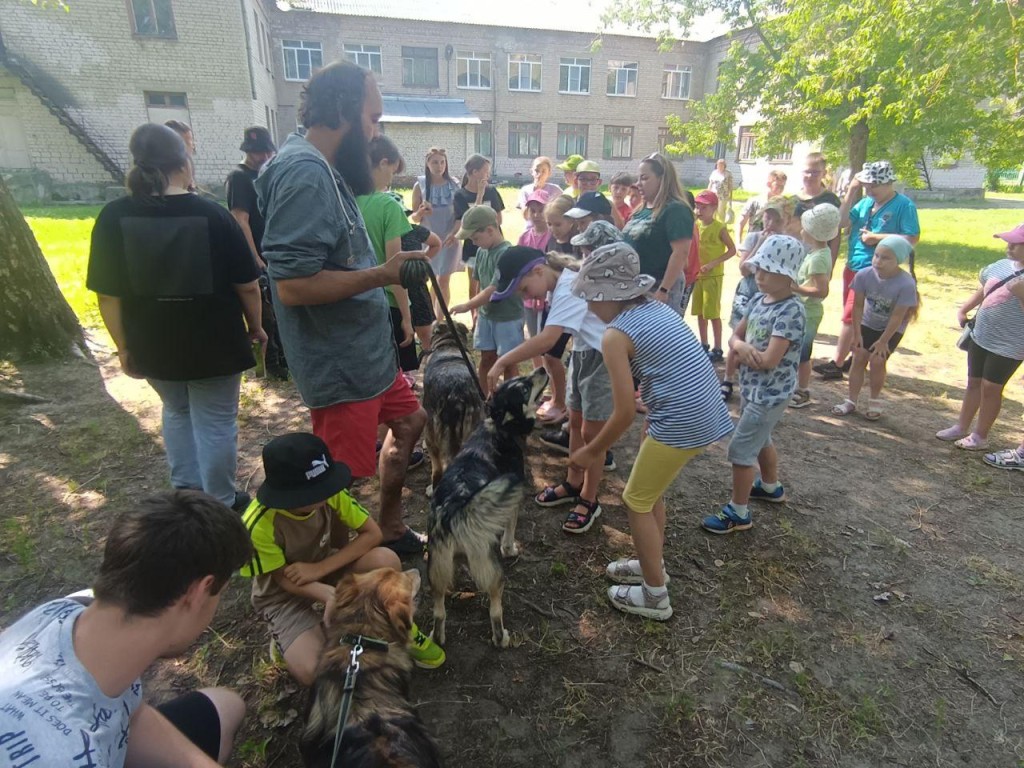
(785, 319)
(881, 297)
(52, 712)
(342, 351)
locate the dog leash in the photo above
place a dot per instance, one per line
(415, 273)
(356, 641)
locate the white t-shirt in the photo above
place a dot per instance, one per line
(571, 313)
(52, 712)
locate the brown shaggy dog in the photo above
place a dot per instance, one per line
(382, 730)
(450, 398)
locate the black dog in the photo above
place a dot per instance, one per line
(451, 399)
(478, 500)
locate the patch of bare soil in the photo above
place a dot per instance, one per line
(875, 618)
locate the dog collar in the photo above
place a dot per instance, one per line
(368, 643)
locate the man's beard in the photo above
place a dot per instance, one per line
(353, 161)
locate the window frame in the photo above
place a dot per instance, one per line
(571, 130)
(616, 67)
(668, 74)
(610, 132)
(785, 157)
(539, 64)
(468, 57)
(746, 147)
(166, 35)
(304, 45)
(562, 64)
(408, 56)
(353, 56)
(528, 128)
(486, 128)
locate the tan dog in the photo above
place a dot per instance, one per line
(382, 730)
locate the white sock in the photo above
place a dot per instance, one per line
(656, 592)
(770, 487)
(743, 510)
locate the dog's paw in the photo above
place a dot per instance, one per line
(503, 641)
(510, 550)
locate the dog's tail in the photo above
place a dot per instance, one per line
(495, 504)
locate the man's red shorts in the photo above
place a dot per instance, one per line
(350, 429)
(848, 275)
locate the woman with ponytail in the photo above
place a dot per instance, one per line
(177, 290)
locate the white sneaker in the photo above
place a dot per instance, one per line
(638, 600)
(627, 571)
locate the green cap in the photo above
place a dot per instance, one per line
(570, 163)
(477, 218)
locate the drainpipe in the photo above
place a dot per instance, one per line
(248, 48)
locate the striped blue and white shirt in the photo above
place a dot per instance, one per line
(678, 384)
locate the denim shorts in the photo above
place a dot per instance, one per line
(500, 337)
(754, 432)
(589, 389)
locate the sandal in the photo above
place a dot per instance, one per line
(874, 409)
(580, 522)
(726, 390)
(409, 543)
(971, 443)
(550, 497)
(548, 413)
(844, 408)
(951, 434)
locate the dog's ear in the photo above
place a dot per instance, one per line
(414, 579)
(395, 598)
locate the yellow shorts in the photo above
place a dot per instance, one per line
(655, 468)
(707, 298)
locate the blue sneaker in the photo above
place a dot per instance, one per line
(758, 492)
(728, 520)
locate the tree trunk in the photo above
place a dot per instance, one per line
(35, 319)
(859, 145)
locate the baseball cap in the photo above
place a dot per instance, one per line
(611, 273)
(477, 218)
(821, 222)
(570, 163)
(707, 197)
(1014, 236)
(257, 139)
(513, 266)
(300, 471)
(588, 166)
(597, 233)
(538, 196)
(589, 204)
(878, 172)
(779, 254)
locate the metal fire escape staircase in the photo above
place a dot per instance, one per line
(25, 75)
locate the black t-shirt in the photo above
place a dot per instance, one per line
(804, 205)
(463, 200)
(173, 262)
(241, 192)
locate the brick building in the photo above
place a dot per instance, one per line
(74, 85)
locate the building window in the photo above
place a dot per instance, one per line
(483, 139)
(574, 75)
(473, 70)
(618, 142)
(718, 150)
(366, 56)
(419, 67)
(301, 59)
(572, 140)
(665, 138)
(161, 107)
(786, 155)
(622, 78)
(523, 139)
(746, 149)
(675, 82)
(524, 72)
(153, 18)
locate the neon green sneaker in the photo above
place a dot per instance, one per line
(425, 653)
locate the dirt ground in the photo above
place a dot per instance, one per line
(781, 651)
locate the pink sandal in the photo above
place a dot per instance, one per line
(971, 443)
(550, 414)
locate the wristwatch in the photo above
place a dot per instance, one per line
(662, 289)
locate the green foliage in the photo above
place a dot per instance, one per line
(894, 78)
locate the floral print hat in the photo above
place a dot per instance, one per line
(611, 273)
